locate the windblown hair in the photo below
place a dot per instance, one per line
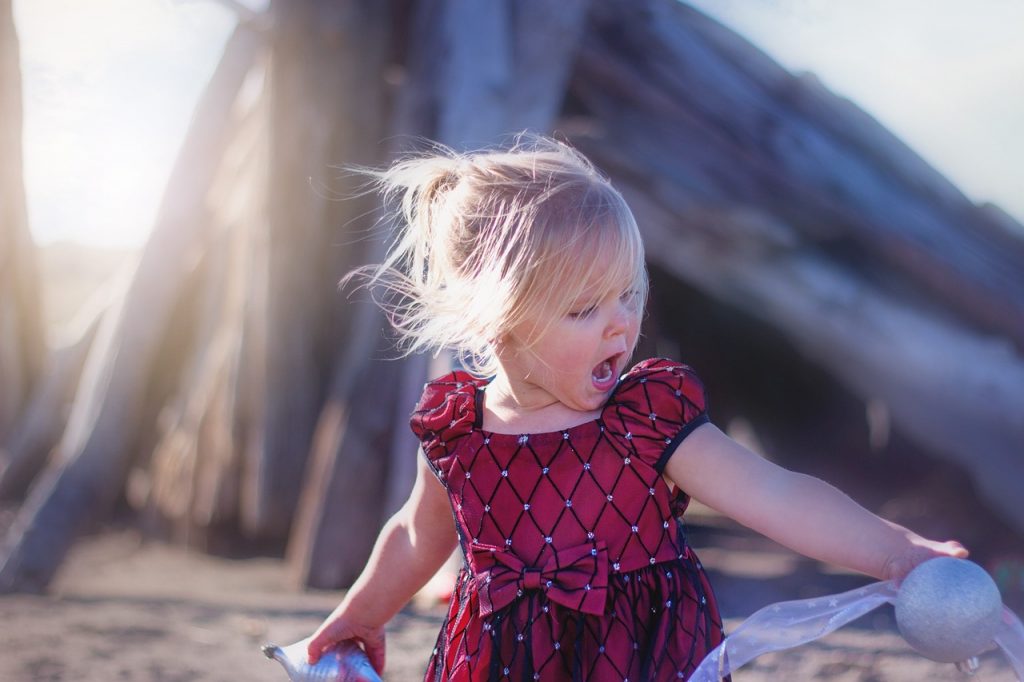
(489, 239)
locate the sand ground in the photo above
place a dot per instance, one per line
(124, 609)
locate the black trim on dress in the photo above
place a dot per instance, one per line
(687, 429)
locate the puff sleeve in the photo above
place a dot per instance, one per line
(445, 412)
(656, 406)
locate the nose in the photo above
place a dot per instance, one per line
(618, 323)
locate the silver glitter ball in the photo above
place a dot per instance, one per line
(346, 662)
(948, 609)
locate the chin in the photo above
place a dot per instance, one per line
(596, 401)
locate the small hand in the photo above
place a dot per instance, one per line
(338, 629)
(921, 550)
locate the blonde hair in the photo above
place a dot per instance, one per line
(488, 239)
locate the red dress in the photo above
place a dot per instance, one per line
(576, 565)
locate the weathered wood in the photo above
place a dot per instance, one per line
(402, 455)
(717, 122)
(322, 53)
(503, 66)
(217, 499)
(344, 510)
(192, 484)
(194, 465)
(474, 77)
(341, 508)
(955, 392)
(247, 394)
(250, 388)
(22, 340)
(95, 453)
(40, 428)
(770, 194)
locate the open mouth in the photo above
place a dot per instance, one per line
(603, 374)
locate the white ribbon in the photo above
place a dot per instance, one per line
(1010, 638)
(791, 623)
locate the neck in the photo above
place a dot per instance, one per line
(517, 406)
(516, 396)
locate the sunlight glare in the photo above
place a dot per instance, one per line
(109, 87)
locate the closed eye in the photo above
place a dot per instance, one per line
(583, 314)
(630, 297)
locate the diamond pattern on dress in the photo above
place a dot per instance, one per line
(538, 496)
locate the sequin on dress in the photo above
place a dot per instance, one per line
(576, 562)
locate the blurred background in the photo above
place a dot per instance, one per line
(830, 196)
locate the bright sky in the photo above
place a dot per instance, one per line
(110, 85)
(946, 76)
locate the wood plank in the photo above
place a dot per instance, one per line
(95, 451)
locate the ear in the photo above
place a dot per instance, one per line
(507, 345)
(500, 344)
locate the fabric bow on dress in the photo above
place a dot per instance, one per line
(576, 577)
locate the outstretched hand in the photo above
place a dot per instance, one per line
(921, 550)
(338, 629)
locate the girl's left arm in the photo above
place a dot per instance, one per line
(799, 511)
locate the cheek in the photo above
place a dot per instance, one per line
(572, 348)
(634, 332)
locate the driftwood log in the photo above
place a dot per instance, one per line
(232, 391)
(806, 213)
(43, 419)
(22, 344)
(115, 397)
(462, 89)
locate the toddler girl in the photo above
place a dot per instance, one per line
(565, 471)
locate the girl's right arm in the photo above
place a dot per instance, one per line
(409, 550)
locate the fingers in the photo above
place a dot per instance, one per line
(957, 550)
(899, 566)
(316, 647)
(375, 652)
(950, 548)
(327, 637)
(323, 639)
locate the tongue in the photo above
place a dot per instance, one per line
(603, 372)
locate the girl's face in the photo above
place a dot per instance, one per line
(578, 358)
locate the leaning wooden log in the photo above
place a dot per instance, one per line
(495, 68)
(473, 77)
(95, 453)
(350, 465)
(759, 189)
(721, 123)
(322, 52)
(768, 193)
(191, 486)
(954, 391)
(194, 468)
(38, 431)
(341, 508)
(22, 340)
